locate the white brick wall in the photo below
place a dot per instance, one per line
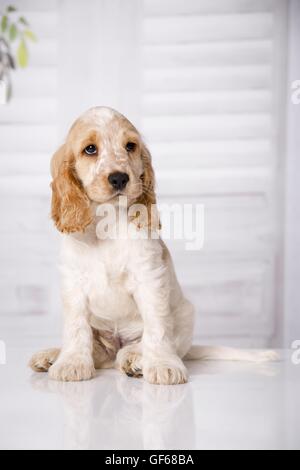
(204, 80)
(28, 135)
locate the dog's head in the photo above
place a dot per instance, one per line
(103, 158)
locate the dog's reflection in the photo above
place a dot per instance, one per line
(116, 412)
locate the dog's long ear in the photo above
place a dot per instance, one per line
(70, 204)
(148, 198)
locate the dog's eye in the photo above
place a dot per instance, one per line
(91, 150)
(130, 146)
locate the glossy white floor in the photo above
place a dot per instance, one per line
(225, 406)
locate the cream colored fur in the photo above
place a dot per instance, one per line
(122, 302)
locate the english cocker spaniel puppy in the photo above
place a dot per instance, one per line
(122, 303)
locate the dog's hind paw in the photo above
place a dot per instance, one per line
(130, 363)
(43, 360)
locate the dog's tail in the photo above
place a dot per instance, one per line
(212, 353)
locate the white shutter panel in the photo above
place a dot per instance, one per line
(28, 136)
(212, 88)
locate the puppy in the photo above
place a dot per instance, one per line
(122, 303)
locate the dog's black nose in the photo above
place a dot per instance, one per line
(118, 181)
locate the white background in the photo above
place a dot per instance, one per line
(208, 83)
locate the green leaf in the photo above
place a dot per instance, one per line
(13, 32)
(11, 9)
(30, 35)
(4, 23)
(22, 54)
(23, 21)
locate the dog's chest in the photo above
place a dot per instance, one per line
(107, 282)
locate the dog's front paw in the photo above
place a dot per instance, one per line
(72, 369)
(165, 374)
